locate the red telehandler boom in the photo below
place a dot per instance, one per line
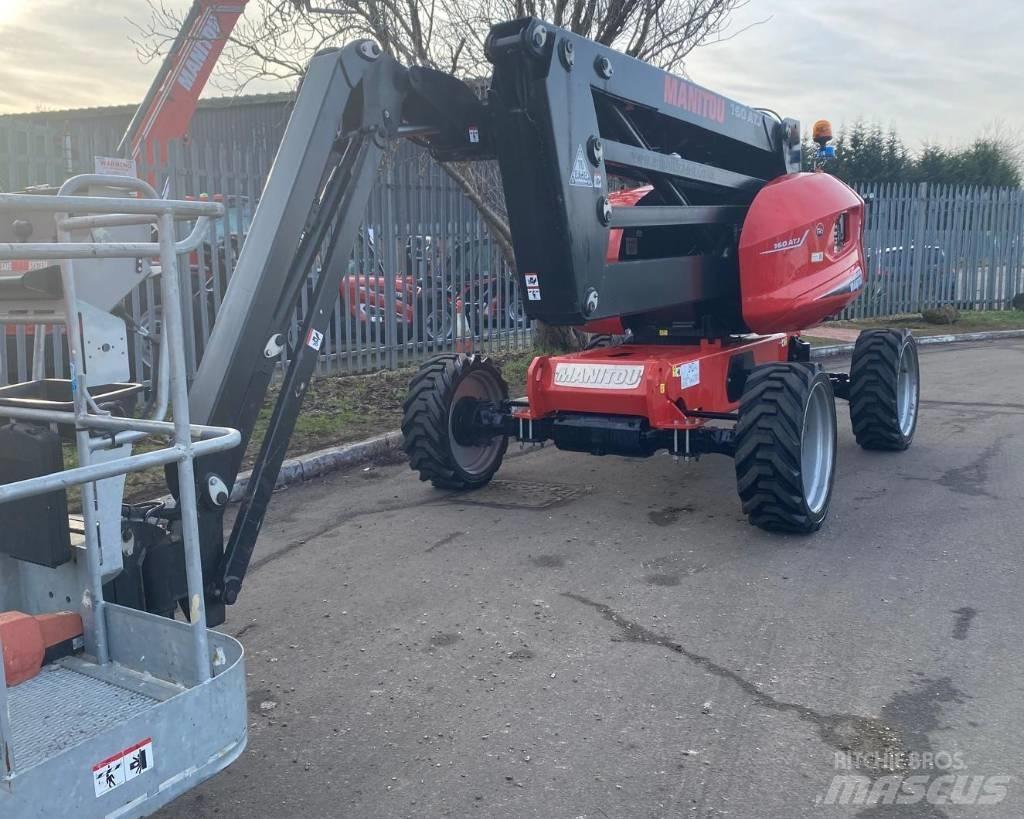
(167, 110)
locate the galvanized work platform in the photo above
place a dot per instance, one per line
(114, 740)
(147, 706)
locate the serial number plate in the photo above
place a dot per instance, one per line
(599, 376)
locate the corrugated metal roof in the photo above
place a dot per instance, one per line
(128, 109)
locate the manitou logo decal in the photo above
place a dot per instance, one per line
(694, 99)
(787, 244)
(194, 61)
(599, 376)
(851, 285)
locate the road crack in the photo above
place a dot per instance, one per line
(850, 733)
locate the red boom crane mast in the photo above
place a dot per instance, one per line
(167, 110)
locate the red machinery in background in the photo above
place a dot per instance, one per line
(167, 109)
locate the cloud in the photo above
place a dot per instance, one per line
(68, 54)
(937, 71)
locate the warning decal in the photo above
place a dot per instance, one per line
(315, 339)
(580, 176)
(689, 374)
(122, 767)
(532, 286)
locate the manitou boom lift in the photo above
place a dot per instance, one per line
(638, 202)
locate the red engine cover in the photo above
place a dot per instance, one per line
(793, 272)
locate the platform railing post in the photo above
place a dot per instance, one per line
(6, 738)
(94, 621)
(175, 339)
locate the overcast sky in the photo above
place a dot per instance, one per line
(938, 70)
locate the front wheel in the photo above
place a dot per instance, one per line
(885, 388)
(438, 404)
(786, 447)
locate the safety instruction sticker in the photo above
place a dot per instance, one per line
(532, 286)
(315, 340)
(124, 766)
(689, 374)
(580, 176)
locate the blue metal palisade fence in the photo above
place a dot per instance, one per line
(932, 245)
(424, 250)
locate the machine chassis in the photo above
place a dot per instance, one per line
(773, 411)
(661, 411)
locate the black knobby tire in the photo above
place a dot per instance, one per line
(427, 421)
(884, 389)
(786, 447)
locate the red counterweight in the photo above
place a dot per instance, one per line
(800, 252)
(28, 641)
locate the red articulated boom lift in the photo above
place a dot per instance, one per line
(709, 259)
(713, 266)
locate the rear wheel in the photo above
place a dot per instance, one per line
(786, 447)
(435, 407)
(885, 388)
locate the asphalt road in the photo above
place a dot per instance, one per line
(609, 637)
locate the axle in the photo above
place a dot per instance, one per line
(475, 422)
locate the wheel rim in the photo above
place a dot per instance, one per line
(516, 313)
(474, 459)
(817, 447)
(906, 390)
(437, 326)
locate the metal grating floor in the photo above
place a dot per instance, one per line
(59, 708)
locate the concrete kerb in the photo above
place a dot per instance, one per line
(988, 335)
(324, 461)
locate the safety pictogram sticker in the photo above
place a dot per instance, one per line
(689, 374)
(580, 176)
(124, 766)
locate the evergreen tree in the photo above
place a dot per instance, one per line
(866, 153)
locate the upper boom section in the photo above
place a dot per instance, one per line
(538, 49)
(567, 113)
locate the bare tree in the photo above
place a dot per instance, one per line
(276, 38)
